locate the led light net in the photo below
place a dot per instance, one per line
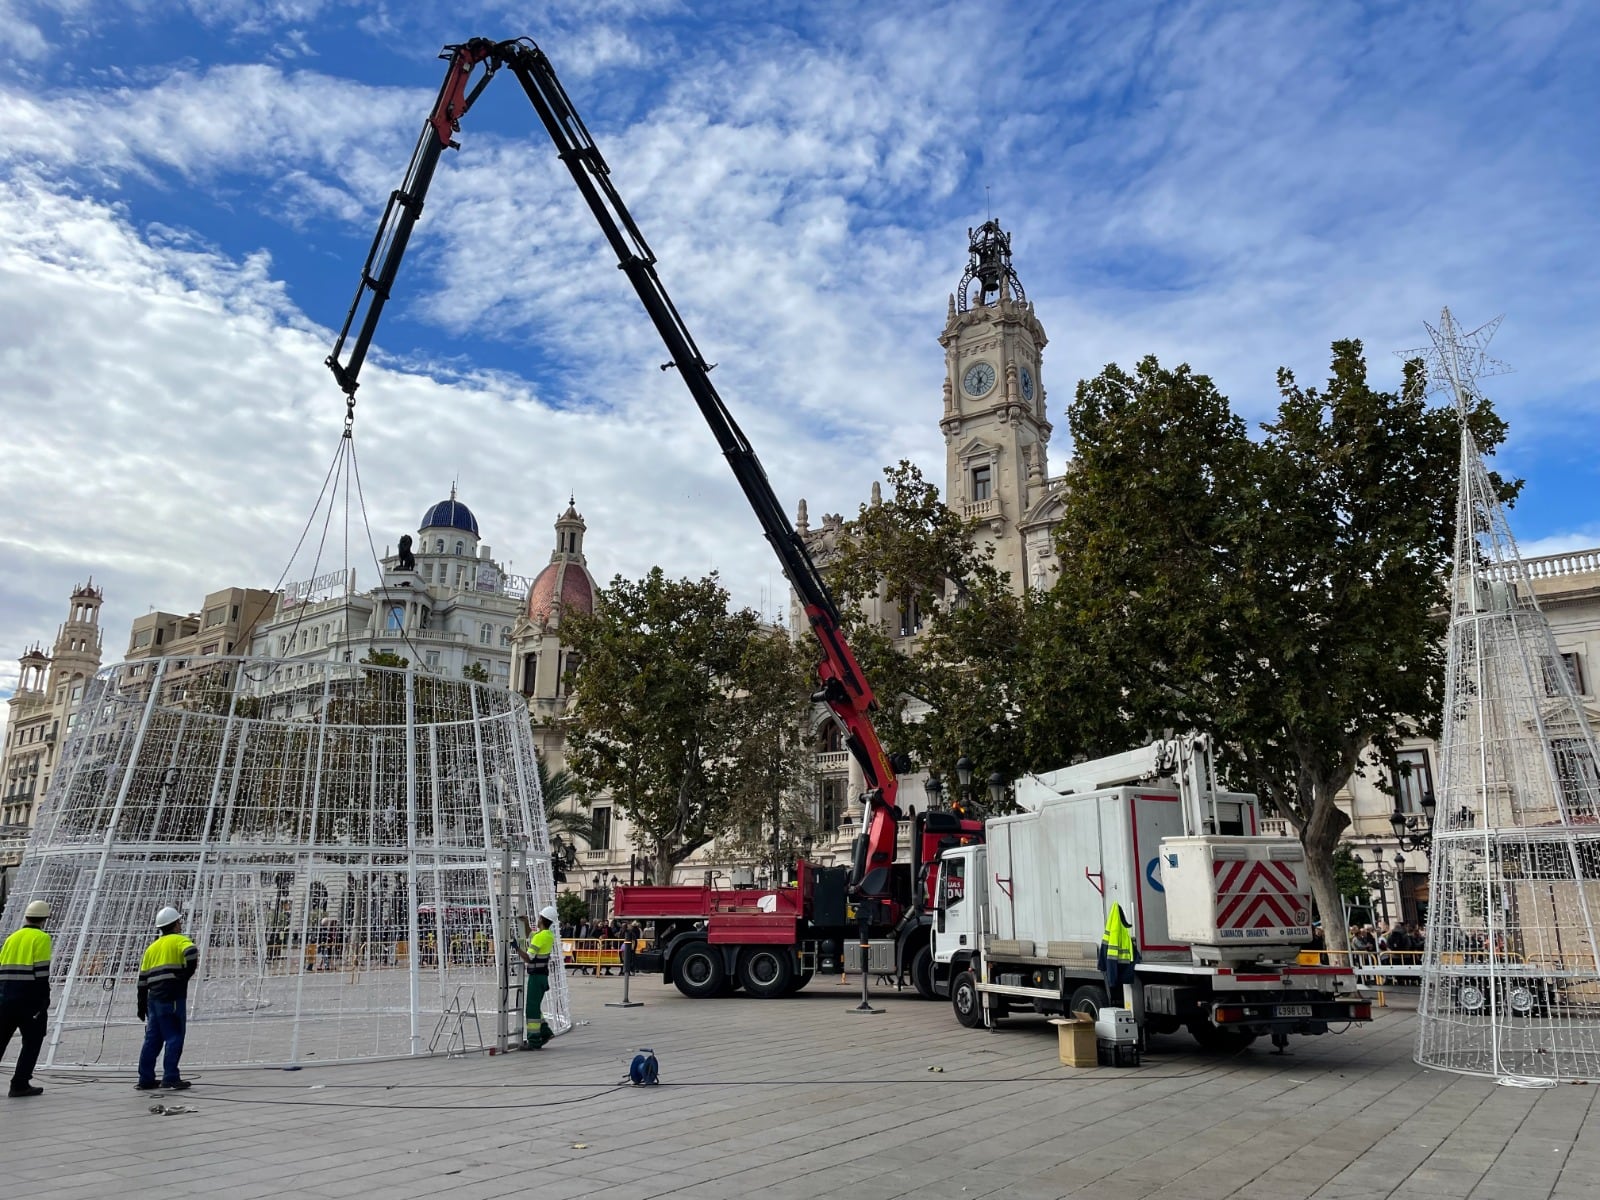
(1511, 974)
(335, 836)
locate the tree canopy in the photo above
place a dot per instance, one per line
(1280, 593)
(686, 713)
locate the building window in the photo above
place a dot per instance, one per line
(433, 660)
(1578, 774)
(215, 616)
(397, 617)
(1572, 665)
(530, 673)
(831, 800)
(485, 634)
(1416, 779)
(832, 738)
(982, 478)
(600, 828)
(438, 546)
(505, 635)
(461, 547)
(233, 613)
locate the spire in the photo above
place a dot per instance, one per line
(989, 264)
(877, 494)
(802, 523)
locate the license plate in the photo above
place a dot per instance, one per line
(1292, 1010)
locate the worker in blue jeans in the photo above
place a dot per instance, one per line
(169, 963)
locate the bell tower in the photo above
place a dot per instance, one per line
(995, 432)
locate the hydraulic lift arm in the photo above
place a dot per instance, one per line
(844, 688)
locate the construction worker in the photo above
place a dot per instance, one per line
(1117, 955)
(25, 994)
(169, 964)
(541, 949)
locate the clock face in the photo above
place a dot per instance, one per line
(1025, 380)
(978, 379)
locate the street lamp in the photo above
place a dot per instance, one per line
(1415, 833)
(934, 787)
(1381, 877)
(997, 791)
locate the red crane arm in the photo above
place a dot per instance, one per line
(844, 688)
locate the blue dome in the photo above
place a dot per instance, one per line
(450, 514)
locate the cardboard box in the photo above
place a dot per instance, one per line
(1076, 1039)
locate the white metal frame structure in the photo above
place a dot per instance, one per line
(1511, 975)
(334, 835)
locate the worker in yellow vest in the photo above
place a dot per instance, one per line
(169, 964)
(25, 994)
(541, 950)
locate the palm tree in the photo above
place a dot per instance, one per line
(558, 787)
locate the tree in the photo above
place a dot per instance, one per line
(990, 659)
(476, 672)
(675, 701)
(559, 791)
(571, 910)
(1348, 876)
(1280, 594)
(385, 658)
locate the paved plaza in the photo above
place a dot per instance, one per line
(800, 1098)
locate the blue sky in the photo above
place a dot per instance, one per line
(187, 192)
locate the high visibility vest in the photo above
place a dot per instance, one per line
(25, 967)
(540, 947)
(170, 960)
(1118, 938)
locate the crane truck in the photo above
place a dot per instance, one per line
(1218, 911)
(769, 944)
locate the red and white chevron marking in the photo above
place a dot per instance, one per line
(1258, 895)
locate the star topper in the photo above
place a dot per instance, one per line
(1458, 360)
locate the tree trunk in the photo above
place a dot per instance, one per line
(1320, 837)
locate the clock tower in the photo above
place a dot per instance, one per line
(995, 431)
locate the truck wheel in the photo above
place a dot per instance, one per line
(698, 972)
(766, 971)
(922, 973)
(964, 998)
(1089, 1000)
(800, 980)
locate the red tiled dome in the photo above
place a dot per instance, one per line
(560, 586)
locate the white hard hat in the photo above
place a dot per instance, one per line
(167, 916)
(37, 911)
(548, 912)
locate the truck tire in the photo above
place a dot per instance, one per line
(698, 973)
(766, 971)
(966, 1000)
(1089, 999)
(801, 978)
(922, 973)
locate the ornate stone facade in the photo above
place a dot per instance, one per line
(41, 711)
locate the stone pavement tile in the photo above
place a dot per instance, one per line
(1511, 1191)
(1440, 1181)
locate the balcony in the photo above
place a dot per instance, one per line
(982, 510)
(1275, 827)
(591, 857)
(832, 760)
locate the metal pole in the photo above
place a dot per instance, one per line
(503, 1024)
(627, 974)
(865, 1007)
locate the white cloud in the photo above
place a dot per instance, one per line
(1230, 185)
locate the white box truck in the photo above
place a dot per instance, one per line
(1218, 912)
